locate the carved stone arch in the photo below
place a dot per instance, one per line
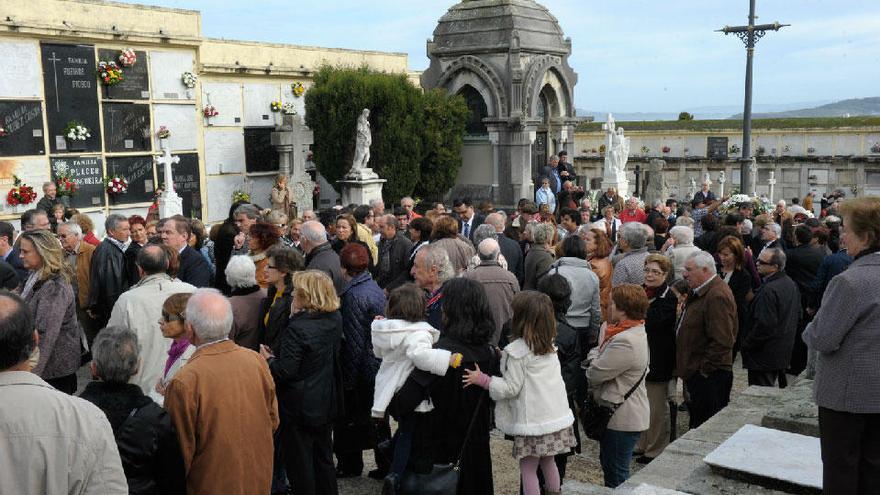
(534, 83)
(484, 80)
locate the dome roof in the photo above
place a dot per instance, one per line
(473, 26)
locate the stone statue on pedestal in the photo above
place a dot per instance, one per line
(363, 140)
(616, 156)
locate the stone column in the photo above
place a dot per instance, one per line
(519, 147)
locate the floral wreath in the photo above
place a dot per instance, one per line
(288, 108)
(116, 184)
(298, 89)
(189, 79)
(109, 73)
(127, 57)
(21, 193)
(210, 111)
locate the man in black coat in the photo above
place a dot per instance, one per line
(319, 254)
(803, 264)
(144, 434)
(393, 254)
(468, 219)
(108, 275)
(509, 248)
(9, 254)
(566, 169)
(774, 316)
(194, 270)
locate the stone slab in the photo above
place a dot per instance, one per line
(760, 454)
(796, 413)
(361, 192)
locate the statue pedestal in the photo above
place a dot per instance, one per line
(170, 204)
(620, 184)
(360, 191)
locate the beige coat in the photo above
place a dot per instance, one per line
(616, 367)
(223, 405)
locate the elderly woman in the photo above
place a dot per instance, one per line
(445, 235)
(362, 301)
(307, 382)
(681, 247)
(245, 299)
(144, 435)
(49, 295)
(172, 324)
(540, 256)
(599, 255)
(660, 382)
(616, 374)
(275, 308)
(262, 236)
(846, 335)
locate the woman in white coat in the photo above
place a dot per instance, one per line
(616, 366)
(173, 326)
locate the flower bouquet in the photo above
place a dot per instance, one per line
(276, 106)
(75, 131)
(874, 149)
(666, 149)
(734, 149)
(298, 89)
(163, 133)
(210, 111)
(189, 79)
(127, 57)
(2, 131)
(64, 181)
(645, 150)
(759, 206)
(21, 193)
(240, 195)
(116, 184)
(109, 73)
(288, 109)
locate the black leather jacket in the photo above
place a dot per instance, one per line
(108, 279)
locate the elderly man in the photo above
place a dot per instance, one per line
(630, 266)
(632, 212)
(704, 194)
(780, 214)
(108, 275)
(393, 255)
(510, 249)
(774, 316)
(500, 284)
(319, 253)
(705, 336)
(611, 198)
(770, 236)
(78, 255)
(409, 204)
(49, 199)
(52, 443)
(431, 269)
(223, 405)
(378, 207)
(682, 246)
(245, 216)
(194, 270)
(140, 309)
(148, 446)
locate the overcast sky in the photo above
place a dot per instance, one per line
(631, 55)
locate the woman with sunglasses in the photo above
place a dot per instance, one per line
(172, 323)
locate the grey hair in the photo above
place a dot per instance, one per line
(658, 203)
(488, 249)
(747, 226)
(437, 256)
(391, 220)
(241, 272)
(373, 202)
(634, 234)
(584, 228)
(73, 228)
(775, 227)
(406, 198)
(704, 260)
(777, 257)
(314, 232)
(116, 353)
(210, 314)
(542, 233)
(496, 220)
(113, 221)
(482, 232)
(248, 210)
(684, 222)
(276, 216)
(682, 234)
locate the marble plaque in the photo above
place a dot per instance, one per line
(257, 101)
(220, 189)
(135, 83)
(20, 66)
(226, 98)
(224, 151)
(88, 174)
(771, 454)
(33, 171)
(166, 70)
(23, 122)
(70, 84)
(181, 120)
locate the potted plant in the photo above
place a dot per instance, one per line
(76, 135)
(734, 149)
(240, 195)
(601, 149)
(811, 150)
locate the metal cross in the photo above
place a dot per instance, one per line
(749, 35)
(55, 59)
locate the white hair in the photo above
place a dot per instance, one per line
(635, 235)
(747, 226)
(704, 260)
(496, 220)
(437, 256)
(542, 233)
(775, 227)
(684, 222)
(682, 234)
(210, 314)
(376, 201)
(73, 228)
(488, 249)
(781, 202)
(314, 232)
(241, 272)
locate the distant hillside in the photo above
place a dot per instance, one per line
(844, 108)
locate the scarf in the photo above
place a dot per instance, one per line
(619, 327)
(652, 292)
(177, 349)
(32, 280)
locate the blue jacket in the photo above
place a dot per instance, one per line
(362, 300)
(831, 267)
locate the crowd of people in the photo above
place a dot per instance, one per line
(247, 356)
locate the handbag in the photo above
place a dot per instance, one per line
(595, 416)
(443, 478)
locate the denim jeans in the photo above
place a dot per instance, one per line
(615, 454)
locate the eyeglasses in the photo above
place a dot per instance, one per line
(649, 271)
(762, 262)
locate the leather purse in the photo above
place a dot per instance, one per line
(595, 416)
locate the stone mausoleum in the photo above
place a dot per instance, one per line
(509, 60)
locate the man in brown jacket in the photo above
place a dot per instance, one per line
(78, 255)
(705, 336)
(223, 405)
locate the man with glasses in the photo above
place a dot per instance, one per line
(140, 309)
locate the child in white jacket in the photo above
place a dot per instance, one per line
(530, 400)
(403, 342)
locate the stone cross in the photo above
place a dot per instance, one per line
(722, 178)
(753, 173)
(772, 183)
(292, 141)
(170, 203)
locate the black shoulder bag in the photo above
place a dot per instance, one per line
(443, 478)
(595, 416)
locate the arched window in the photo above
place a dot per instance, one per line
(478, 110)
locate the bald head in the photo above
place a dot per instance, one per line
(209, 314)
(488, 250)
(313, 234)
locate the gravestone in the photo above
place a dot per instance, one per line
(69, 81)
(22, 122)
(187, 183)
(259, 154)
(135, 84)
(182, 121)
(224, 151)
(655, 184)
(257, 101)
(88, 175)
(138, 171)
(226, 98)
(126, 127)
(716, 148)
(166, 71)
(293, 141)
(21, 69)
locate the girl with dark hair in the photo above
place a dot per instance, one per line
(531, 401)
